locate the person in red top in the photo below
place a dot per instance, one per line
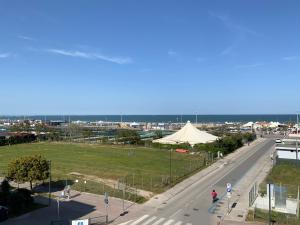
(214, 195)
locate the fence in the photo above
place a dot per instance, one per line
(284, 204)
(100, 220)
(253, 193)
(60, 222)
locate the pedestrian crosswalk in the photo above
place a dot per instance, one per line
(153, 220)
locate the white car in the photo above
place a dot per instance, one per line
(278, 141)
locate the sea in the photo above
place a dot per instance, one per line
(283, 118)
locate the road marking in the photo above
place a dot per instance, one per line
(159, 221)
(178, 223)
(139, 220)
(149, 220)
(174, 214)
(168, 222)
(126, 222)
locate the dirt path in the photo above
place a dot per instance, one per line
(113, 184)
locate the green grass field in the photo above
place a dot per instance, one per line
(280, 218)
(286, 174)
(144, 168)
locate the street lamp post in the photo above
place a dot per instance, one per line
(270, 204)
(49, 194)
(297, 131)
(58, 208)
(171, 166)
(77, 181)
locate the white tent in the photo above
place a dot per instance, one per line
(187, 134)
(249, 124)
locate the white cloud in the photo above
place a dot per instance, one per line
(291, 58)
(26, 38)
(5, 55)
(233, 26)
(228, 50)
(89, 55)
(172, 53)
(249, 65)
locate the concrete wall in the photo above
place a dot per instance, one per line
(263, 203)
(287, 154)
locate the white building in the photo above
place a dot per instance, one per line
(288, 149)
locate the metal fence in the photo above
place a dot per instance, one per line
(60, 222)
(99, 220)
(253, 193)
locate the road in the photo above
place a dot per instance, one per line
(194, 204)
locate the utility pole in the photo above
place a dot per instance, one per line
(171, 166)
(297, 131)
(49, 196)
(270, 219)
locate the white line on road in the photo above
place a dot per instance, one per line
(149, 220)
(126, 222)
(159, 221)
(139, 220)
(174, 214)
(168, 222)
(178, 223)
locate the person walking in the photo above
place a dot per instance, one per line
(214, 196)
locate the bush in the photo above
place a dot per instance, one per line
(19, 200)
(169, 146)
(26, 196)
(226, 145)
(4, 193)
(15, 203)
(128, 136)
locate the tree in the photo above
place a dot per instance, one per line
(130, 136)
(28, 169)
(158, 134)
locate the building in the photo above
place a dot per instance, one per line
(288, 149)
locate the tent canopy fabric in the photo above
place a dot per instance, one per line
(187, 134)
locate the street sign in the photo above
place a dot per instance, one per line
(80, 222)
(106, 198)
(228, 188)
(228, 194)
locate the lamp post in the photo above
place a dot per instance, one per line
(77, 181)
(171, 166)
(270, 203)
(297, 131)
(49, 191)
(58, 207)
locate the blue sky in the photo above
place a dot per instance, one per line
(149, 57)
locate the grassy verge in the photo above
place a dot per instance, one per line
(280, 218)
(286, 174)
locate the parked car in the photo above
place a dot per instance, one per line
(3, 213)
(278, 141)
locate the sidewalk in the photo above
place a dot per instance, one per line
(81, 205)
(240, 194)
(228, 222)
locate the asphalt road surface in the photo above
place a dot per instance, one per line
(193, 206)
